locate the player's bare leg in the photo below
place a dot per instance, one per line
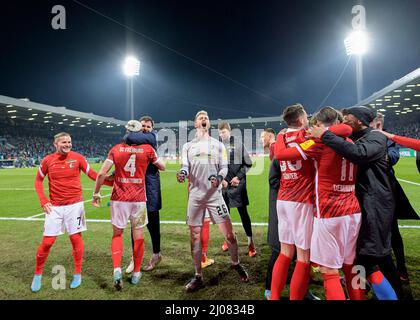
(117, 249)
(227, 229)
(196, 252)
(138, 253)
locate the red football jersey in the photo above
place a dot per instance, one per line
(63, 178)
(335, 182)
(297, 177)
(130, 170)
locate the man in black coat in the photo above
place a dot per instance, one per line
(153, 194)
(268, 138)
(404, 210)
(374, 190)
(234, 184)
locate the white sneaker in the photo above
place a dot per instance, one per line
(130, 267)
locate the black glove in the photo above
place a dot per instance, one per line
(215, 180)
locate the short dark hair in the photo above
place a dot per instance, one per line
(292, 113)
(147, 118)
(270, 130)
(224, 125)
(328, 116)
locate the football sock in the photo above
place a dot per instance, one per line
(300, 280)
(196, 253)
(138, 254)
(279, 276)
(116, 249)
(42, 253)
(78, 249)
(250, 240)
(233, 249)
(354, 293)
(332, 287)
(205, 238)
(382, 288)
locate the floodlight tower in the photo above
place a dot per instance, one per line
(357, 44)
(131, 68)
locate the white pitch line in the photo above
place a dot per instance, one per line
(256, 224)
(410, 182)
(42, 213)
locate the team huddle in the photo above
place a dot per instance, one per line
(331, 179)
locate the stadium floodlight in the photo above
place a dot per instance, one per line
(356, 43)
(131, 66)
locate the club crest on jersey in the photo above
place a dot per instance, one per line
(71, 163)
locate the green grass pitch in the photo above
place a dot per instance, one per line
(20, 239)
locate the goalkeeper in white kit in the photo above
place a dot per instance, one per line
(204, 162)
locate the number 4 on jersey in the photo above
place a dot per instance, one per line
(130, 166)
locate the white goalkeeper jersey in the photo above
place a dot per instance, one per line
(201, 158)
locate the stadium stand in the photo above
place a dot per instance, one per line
(27, 128)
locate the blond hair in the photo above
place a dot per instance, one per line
(61, 134)
(200, 112)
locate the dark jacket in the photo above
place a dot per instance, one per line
(153, 192)
(403, 208)
(274, 176)
(374, 188)
(239, 162)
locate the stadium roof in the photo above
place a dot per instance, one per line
(399, 98)
(24, 109)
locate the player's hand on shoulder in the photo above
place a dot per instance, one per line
(181, 175)
(47, 208)
(317, 130)
(96, 200)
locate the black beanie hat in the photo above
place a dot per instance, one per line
(364, 114)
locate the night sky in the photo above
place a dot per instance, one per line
(233, 58)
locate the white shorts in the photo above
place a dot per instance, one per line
(216, 209)
(334, 240)
(295, 223)
(70, 218)
(122, 211)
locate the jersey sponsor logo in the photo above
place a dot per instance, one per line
(131, 150)
(307, 144)
(290, 176)
(343, 188)
(130, 180)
